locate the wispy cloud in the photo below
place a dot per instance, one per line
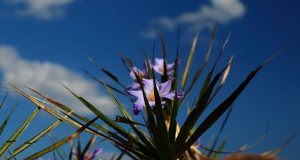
(47, 76)
(41, 9)
(218, 11)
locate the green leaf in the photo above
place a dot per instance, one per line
(80, 156)
(120, 107)
(151, 73)
(220, 148)
(173, 122)
(139, 132)
(102, 83)
(133, 157)
(48, 110)
(201, 68)
(106, 119)
(113, 137)
(128, 121)
(220, 132)
(68, 111)
(164, 54)
(195, 113)
(101, 115)
(3, 100)
(278, 150)
(89, 144)
(60, 152)
(108, 73)
(71, 150)
(189, 61)
(225, 75)
(18, 133)
(221, 51)
(34, 139)
(60, 143)
(151, 125)
(164, 145)
(3, 125)
(217, 113)
(125, 60)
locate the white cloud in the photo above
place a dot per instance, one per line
(41, 9)
(219, 11)
(47, 76)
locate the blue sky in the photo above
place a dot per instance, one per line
(49, 41)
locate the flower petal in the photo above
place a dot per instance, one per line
(165, 87)
(159, 61)
(151, 103)
(132, 72)
(169, 96)
(148, 85)
(170, 68)
(136, 93)
(159, 66)
(133, 86)
(138, 106)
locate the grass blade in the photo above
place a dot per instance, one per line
(151, 125)
(127, 116)
(173, 122)
(3, 100)
(225, 75)
(89, 144)
(220, 148)
(126, 59)
(216, 114)
(164, 146)
(60, 143)
(3, 125)
(189, 61)
(68, 111)
(201, 68)
(113, 137)
(120, 107)
(61, 154)
(151, 73)
(220, 131)
(48, 110)
(18, 133)
(278, 150)
(102, 83)
(195, 113)
(164, 54)
(102, 116)
(128, 121)
(34, 139)
(108, 73)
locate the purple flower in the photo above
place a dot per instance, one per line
(135, 71)
(164, 91)
(159, 66)
(141, 73)
(133, 86)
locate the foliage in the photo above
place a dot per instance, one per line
(157, 93)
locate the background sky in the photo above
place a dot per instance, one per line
(46, 42)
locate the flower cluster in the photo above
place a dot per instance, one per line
(164, 89)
